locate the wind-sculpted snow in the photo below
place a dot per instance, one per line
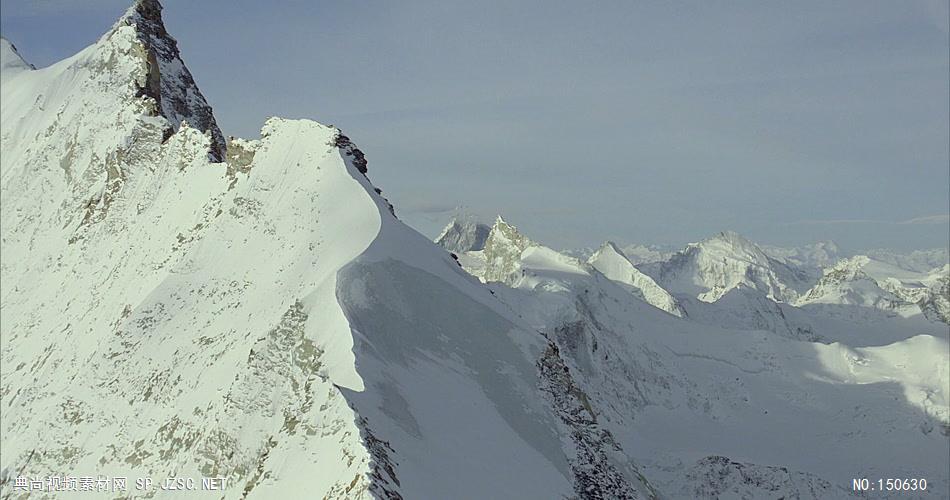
(450, 382)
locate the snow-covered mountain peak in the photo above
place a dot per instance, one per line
(730, 244)
(708, 269)
(503, 234)
(10, 60)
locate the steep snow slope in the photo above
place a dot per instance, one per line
(612, 262)
(266, 320)
(709, 269)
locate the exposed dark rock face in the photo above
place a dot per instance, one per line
(716, 476)
(596, 476)
(349, 149)
(358, 159)
(169, 82)
(384, 482)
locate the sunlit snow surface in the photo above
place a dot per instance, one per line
(268, 320)
(166, 316)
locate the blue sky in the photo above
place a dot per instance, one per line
(652, 122)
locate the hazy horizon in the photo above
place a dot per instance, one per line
(657, 124)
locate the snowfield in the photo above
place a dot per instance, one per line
(178, 304)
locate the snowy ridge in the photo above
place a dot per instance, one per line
(11, 62)
(612, 262)
(645, 254)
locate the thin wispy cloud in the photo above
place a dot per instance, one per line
(927, 219)
(930, 219)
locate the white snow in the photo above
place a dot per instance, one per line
(267, 319)
(164, 315)
(613, 263)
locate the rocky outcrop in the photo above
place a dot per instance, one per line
(169, 83)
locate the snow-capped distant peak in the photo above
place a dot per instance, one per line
(733, 244)
(613, 264)
(503, 248)
(11, 62)
(710, 268)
